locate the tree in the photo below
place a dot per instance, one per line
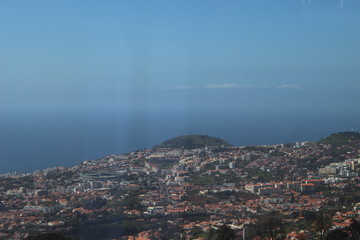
(354, 229)
(270, 226)
(211, 234)
(321, 225)
(223, 233)
(132, 201)
(337, 234)
(355, 236)
(354, 226)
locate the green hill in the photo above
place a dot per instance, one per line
(193, 141)
(342, 138)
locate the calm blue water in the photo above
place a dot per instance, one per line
(37, 140)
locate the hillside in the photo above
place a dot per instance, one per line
(193, 141)
(341, 138)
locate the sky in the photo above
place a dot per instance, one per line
(232, 55)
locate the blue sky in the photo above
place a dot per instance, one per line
(185, 55)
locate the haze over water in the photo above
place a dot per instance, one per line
(84, 79)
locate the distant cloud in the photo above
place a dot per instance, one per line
(181, 88)
(309, 3)
(228, 85)
(287, 86)
(214, 86)
(233, 86)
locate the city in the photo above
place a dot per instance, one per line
(180, 193)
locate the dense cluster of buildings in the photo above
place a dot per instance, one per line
(232, 185)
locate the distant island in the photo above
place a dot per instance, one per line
(193, 141)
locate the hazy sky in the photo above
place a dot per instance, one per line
(234, 55)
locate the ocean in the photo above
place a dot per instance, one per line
(38, 140)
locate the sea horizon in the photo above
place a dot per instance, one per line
(32, 140)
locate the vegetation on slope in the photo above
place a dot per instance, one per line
(193, 141)
(341, 138)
